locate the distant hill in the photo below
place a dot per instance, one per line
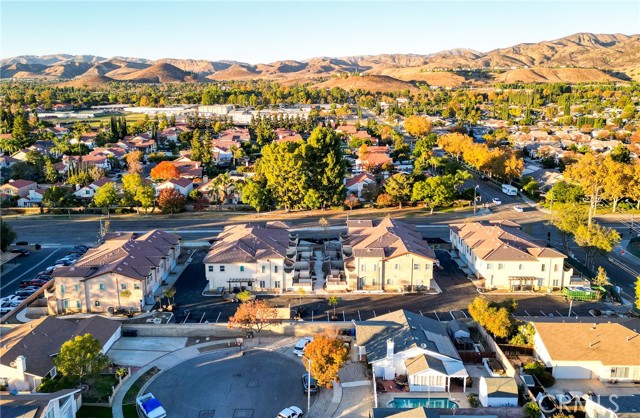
(582, 57)
(381, 83)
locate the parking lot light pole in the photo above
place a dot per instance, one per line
(475, 201)
(308, 383)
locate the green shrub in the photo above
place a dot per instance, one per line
(536, 369)
(473, 399)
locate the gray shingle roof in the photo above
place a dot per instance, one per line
(248, 243)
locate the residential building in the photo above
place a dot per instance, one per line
(182, 185)
(374, 157)
(386, 255)
(235, 134)
(33, 199)
(356, 183)
(87, 192)
(499, 253)
(59, 131)
(613, 406)
(7, 161)
(17, 188)
(61, 404)
(21, 154)
(590, 350)
(188, 168)
(406, 343)
(498, 392)
(249, 255)
(142, 143)
(127, 261)
(287, 135)
(222, 150)
(28, 349)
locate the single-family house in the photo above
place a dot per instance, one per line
(87, 192)
(248, 255)
(222, 150)
(21, 154)
(232, 195)
(347, 129)
(235, 134)
(608, 351)
(188, 168)
(287, 135)
(182, 185)
(356, 183)
(406, 343)
(386, 255)
(61, 404)
(28, 349)
(372, 158)
(59, 131)
(127, 261)
(17, 188)
(6, 161)
(33, 199)
(143, 143)
(507, 258)
(498, 392)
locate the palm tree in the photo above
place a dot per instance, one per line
(169, 292)
(221, 183)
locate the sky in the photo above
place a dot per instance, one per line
(266, 31)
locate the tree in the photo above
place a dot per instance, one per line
(327, 355)
(245, 296)
(525, 335)
(496, 319)
(352, 201)
(169, 293)
(621, 154)
(589, 173)
(399, 188)
(50, 172)
(171, 201)
(164, 171)
(532, 410)
(133, 160)
(384, 200)
(282, 167)
(7, 235)
(57, 197)
(130, 184)
(254, 193)
(637, 304)
(106, 196)
(455, 143)
(325, 166)
(370, 192)
(254, 315)
(333, 302)
(146, 196)
(567, 218)
(81, 357)
(417, 126)
(563, 192)
(595, 239)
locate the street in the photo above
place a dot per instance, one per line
(27, 268)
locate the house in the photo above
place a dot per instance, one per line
(33, 199)
(386, 255)
(356, 183)
(7, 161)
(222, 150)
(45, 147)
(127, 261)
(287, 135)
(235, 134)
(58, 131)
(87, 192)
(233, 193)
(17, 188)
(142, 143)
(187, 168)
(614, 406)
(21, 154)
(248, 255)
(590, 350)
(171, 133)
(498, 392)
(61, 404)
(372, 158)
(499, 253)
(406, 343)
(182, 185)
(28, 349)
(347, 129)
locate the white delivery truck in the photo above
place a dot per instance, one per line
(509, 190)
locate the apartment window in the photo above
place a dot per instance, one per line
(363, 281)
(76, 287)
(556, 282)
(211, 269)
(389, 281)
(62, 288)
(277, 284)
(78, 304)
(543, 267)
(363, 267)
(221, 268)
(136, 286)
(375, 267)
(101, 287)
(489, 266)
(123, 286)
(262, 283)
(555, 268)
(520, 266)
(416, 266)
(97, 303)
(374, 281)
(397, 266)
(264, 269)
(500, 266)
(427, 267)
(65, 304)
(241, 268)
(620, 372)
(275, 269)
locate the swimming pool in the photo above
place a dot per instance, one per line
(443, 403)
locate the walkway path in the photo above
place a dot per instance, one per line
(318, 287)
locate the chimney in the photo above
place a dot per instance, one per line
(21, 365)
(390, 347)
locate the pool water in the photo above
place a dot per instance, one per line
(442, 403)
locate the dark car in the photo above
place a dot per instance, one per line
(20, 251)
(35, 282)
(24, 292)
(313, 388)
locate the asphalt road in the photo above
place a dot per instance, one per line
(258, 384)
(28, 267)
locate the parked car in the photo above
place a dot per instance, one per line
(496, 201)
(23, 252)
(518, 208)
(27, 291)
(5, 307)
(43, 277)
(290, 412)
(298, 350)
(36, 282)
(49, 270)
(313, 387)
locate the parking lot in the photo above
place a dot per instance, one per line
(457, 293)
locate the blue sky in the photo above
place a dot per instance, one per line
(265, 31)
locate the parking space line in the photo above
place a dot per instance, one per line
(219, 313)
(543, 314)
(437, 317)
(374, 313)
(559, 313)
(421, 313)
(344, 318)
(527, 313)
(30, 270)
(359, 317)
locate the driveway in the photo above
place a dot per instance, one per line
(258, 384)
(139, 351)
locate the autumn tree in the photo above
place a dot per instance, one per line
(80, 357)
(384, 200)
(254, 315)
(130, 184)
(327, 354)
(106, 196)
(601, 278)
(134, 162)
(455, 143)
(493, 317)
(352, 201)
(595, 239)
(164, 171)
(637, 304)
(589, 173)
(171, 201)
(417, 126)
(567, 218)
(399, 187)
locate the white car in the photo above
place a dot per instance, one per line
(298, 350)
(518, 208)
(496, 201)
(290, 412)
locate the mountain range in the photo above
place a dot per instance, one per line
(582, 57)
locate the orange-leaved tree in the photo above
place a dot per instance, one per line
(254, 315)
(327, 354)
(165, 171)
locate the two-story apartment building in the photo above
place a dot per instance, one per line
(248, 256)
(386, 255)
(507, 258)
(123, 272)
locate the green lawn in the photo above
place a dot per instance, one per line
(95, 412)
(99, 388)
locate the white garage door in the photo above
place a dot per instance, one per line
(571, 372)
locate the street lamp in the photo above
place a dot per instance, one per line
(308, 383)
(475, 200)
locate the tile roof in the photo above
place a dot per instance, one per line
(390, 236)
(502, 241)
(39, 339)
(187, 168)
(128, 254)
(363, 177)
(613, 344)
(248, 243)
(19, 184)
(407, 330)
(182, 182)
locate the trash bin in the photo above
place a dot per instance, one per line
(249, 334)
